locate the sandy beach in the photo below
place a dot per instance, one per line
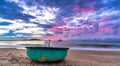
(18, 57)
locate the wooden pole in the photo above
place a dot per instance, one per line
(49, 43)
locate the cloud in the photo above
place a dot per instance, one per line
(29, 30)
(6, 20)
(43, 17)
(3, 31)
(42, 14)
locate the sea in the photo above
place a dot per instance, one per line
(72, 45)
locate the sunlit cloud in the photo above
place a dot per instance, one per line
(3, 31)
(109, 12)
(43, 15)
(29, 30)
(6, 20)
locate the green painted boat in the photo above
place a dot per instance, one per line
(47, 54)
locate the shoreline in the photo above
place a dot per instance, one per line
(74, 48)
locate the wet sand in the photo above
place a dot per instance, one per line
(18, 57)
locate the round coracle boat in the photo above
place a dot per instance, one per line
(46, 54)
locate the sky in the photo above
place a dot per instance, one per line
(60, 19)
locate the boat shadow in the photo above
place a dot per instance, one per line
(64, 62)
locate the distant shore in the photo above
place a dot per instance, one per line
(22, 42)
